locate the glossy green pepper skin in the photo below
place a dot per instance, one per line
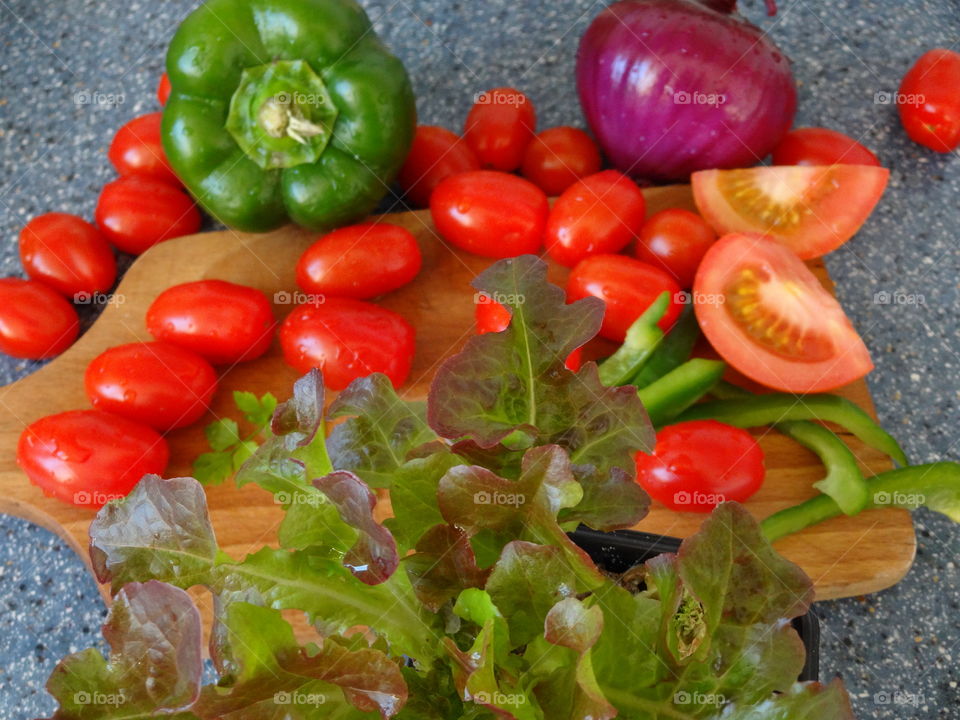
(285, 110)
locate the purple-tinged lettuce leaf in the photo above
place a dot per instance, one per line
(803, 701)
(413, 497)
(155, 664)
(611, 501)
(442, 566)
(311, 521)
(380, 432)
(573, 625)
(160, 531)
(373, 557)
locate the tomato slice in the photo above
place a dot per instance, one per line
(769, 317)
(811, 210)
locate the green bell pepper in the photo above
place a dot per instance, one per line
(680, 388)
(285, 110)
(673, 350)
(641, 341)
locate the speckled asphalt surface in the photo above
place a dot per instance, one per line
(61, 62)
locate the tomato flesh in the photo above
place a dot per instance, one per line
(811, 210)
(435, 155)
(136, 149)
(68, 254)
(697, 465)
(155, 383)
(929, 100)
(499, 127)
(137, 212)
(821, 146)
(675, 240)
(89, 457)
(556, 158)
(35, 322)
(768, 316)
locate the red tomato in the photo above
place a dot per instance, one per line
(360, 261)
(499, 127)
(163, 89)
(68, 254)
(627, 286)
(929, 100)
(558, 157)
(348, 339)
(675, 240)
(491, 316)
(490, 213)
(89, 457)
(135, 213)
(811, 210)
(821, 146)
(697, 465)
(155, 383)
(601, 213)
(137, 150)
(435, 155)
(35, 322)
(221, 321)
(769, 317)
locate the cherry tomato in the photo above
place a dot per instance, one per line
(68, 254)
(491, 316)
(821, 146)
(490, 213)
(163, 89)
(697, 465)
(499, 127)
(675, 240)
(627, 286)
(35, 322)
(360, 261)
(435, 155)
(137, 150)
(811, 210)
(601, 213)
(929, 100)
(769, 317)
(135, 213)
(221, 321)
(556, 158)
(89, 457)
(155, 383)
(348, 339)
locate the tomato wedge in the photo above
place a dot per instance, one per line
(811, 210)
(769, 317)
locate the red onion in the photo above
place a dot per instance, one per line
(673, 86)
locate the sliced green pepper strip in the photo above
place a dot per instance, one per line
(672, 352)
(935, 486)
(680, 388)
(641, 340)
(843, 482)
(776, 408)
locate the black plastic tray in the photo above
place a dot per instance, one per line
(619, 551)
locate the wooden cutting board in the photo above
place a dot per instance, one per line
(844, 556)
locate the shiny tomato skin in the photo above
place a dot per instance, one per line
(490, 213)
(135, 213)
(36, 323)
(88, 457)
(155, 383)
(697, 465)
(821, 146)
(499, 127)
(491, 316)
(68, 254)
(163, 89)
(627, 286)
(556, 158)
(136, 149)
(929, 100)
(675, 240)
(360, 261)
(221, 321)
(598, 214)
(768, 317)
(435, 155)
(348, 339)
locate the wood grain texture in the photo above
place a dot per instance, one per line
(844, 556)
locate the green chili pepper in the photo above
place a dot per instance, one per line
(285, 110)
(843, 482)
(641, 340)
(680, 388)
(935, 486)
(673, 350)
(780, 407)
